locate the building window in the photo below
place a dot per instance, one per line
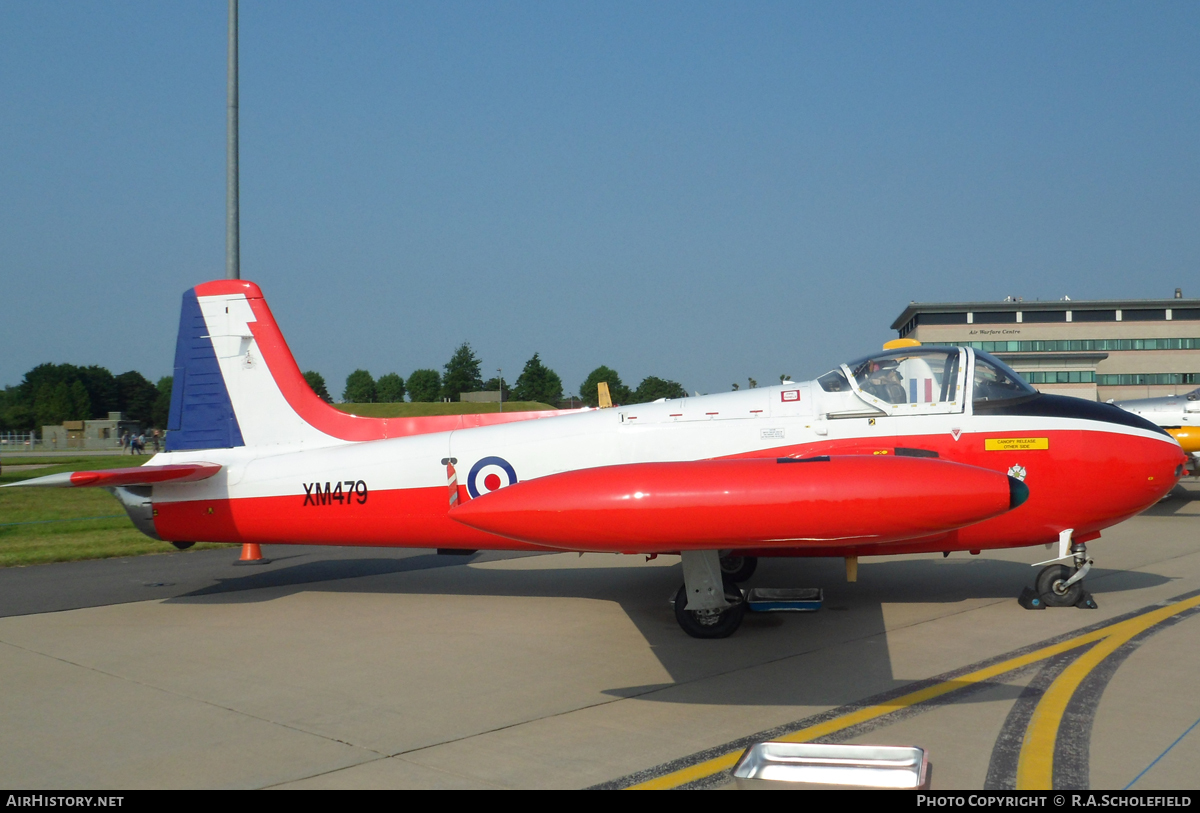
(995, 317)
(1060, 377)
(1141, 379)
(1094, 316)
(944, 318)
(1144, 315)
(1045, 316)
(1085, 345)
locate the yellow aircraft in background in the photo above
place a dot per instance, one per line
(1178, 414)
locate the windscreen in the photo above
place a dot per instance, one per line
(996, 381)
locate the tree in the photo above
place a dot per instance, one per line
(493, 385)
(102, 390)
(538, 382)
(424, 386)
(360, 388)
(66, 392)
(316, 382)
(389, 389)
(81, 404)
(53, 404)
(462, 373)
(161, 413)
(136, 397)
(652, 388)
(17, 414)
(619, 392)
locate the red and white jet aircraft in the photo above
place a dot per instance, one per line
(915, 449)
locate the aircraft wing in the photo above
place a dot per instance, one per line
(705, 504)
(134, 476)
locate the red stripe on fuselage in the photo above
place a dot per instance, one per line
(408, 518)
(1086, 480)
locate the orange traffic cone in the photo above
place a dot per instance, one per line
(252, 555)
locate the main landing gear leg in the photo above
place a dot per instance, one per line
(1062, 586)
(708, 605)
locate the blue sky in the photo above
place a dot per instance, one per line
(700, 191)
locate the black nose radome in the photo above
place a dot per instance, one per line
(1064, 406)
(1018, 492)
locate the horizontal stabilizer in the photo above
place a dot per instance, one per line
(134, 476)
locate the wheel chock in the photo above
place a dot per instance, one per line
(252, 555)
(784, 600)
(1030, 600)
(1086, 602)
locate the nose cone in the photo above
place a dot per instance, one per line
(1139, 472)
(1018, 492)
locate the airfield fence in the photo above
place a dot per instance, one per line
(11, 442)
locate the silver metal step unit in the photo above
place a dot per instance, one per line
(784, 600)
(810, 765)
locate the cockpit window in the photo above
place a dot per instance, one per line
(834, 381)
(1194, 395)
(996, 381)
(927, 375)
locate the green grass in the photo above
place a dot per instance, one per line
(41, 525)
(68, 524)
(420, 410)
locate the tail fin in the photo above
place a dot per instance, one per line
(237, 383)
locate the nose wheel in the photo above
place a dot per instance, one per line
(1060, 585)
(1053, 588)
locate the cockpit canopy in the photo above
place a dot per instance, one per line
(914, 380)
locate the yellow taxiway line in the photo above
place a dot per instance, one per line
(1035, 764)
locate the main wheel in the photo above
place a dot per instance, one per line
(183, 545)
(711, 623)
(1051, 585)
(738, 568)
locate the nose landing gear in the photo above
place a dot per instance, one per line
(1061, 586)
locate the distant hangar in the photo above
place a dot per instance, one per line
(1096, 349)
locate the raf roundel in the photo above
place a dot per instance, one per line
(490, 474)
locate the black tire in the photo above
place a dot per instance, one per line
(183, 545)
(738, 568)
(722, 626)
(1049, 586)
